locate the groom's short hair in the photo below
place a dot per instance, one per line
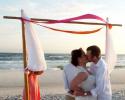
(95, 51)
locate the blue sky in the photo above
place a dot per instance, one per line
(56, 42)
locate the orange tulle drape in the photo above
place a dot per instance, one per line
(34, 89)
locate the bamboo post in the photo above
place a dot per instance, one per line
(25, 61)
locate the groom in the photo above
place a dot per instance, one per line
(99, 68)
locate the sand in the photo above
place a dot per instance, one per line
(51, 82)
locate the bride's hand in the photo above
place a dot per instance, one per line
(78, 93)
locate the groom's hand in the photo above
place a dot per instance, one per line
(82, 93)
(87, 93)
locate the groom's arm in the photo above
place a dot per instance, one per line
(100, 82)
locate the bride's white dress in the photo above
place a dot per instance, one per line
(86, 85)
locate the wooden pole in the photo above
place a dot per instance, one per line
(72, 22)
(25, 61)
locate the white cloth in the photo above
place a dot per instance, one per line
(110, 55)
(103, 85)
(70, 71)
(35, 53)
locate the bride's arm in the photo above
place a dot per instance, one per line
(74, 85)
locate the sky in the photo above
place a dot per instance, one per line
(57, 42)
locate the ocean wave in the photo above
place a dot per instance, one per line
(15, 60)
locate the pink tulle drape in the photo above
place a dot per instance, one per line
(34, 89)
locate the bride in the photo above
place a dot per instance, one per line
(86, 84)
(73, 80)
(84, 81)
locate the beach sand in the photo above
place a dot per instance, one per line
(51, 82)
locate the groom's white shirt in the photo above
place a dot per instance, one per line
(103, 85)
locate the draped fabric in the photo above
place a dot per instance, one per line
(110, 54)
(35, 59)
(85, 16)
(34, 89)
(74, 32)
(35, 53)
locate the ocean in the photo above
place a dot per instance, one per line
(14, 61)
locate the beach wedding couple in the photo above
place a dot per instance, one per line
(87, 83)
